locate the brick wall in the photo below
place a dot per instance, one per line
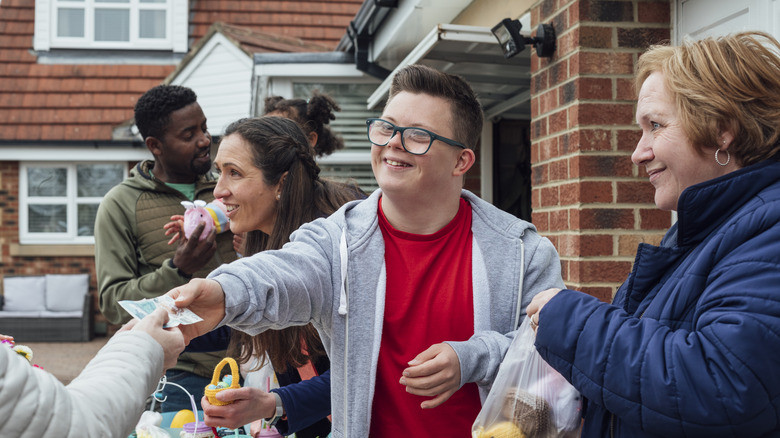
(9, 236)
(9, 206)
(588, 197)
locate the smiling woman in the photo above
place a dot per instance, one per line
(249, 200)
(683, 348)
(268, 161)
(270, 185)
(664, 149)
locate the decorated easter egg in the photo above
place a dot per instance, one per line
(181, 418)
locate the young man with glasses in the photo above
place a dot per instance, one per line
(417, 290)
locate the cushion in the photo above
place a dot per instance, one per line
(27, 314)
(54, 315)
(65, 293)
(24, 293)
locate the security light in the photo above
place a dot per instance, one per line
(507, 32)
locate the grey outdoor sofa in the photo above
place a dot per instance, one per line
(46, 308)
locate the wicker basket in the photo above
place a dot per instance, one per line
(211, 394)
(529, 412)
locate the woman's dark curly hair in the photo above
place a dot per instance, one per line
(312, 116)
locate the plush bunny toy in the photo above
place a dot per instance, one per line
(214, 214)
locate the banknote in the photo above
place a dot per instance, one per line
(139, 309)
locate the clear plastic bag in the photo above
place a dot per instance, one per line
(529, 399)
(149, 426)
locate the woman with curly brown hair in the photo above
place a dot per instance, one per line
(313, 116)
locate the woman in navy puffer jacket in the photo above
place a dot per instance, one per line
(690, 346)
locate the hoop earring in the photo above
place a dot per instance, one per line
(728, 157)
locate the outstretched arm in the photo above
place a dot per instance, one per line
(206, 299)
(106, 399)
(719, 363)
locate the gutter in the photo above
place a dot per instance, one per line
(360, 34)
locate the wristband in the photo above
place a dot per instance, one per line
(279, 413)
(179, 271)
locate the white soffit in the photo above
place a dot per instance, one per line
(309, 70)
(503, 85)
(63, 153)
(405, 26)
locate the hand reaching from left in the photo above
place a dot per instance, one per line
(175, 227)
(433, 373)
(170, 339)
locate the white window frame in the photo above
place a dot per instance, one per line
(71, 200)
(176, 28)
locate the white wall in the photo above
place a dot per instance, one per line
(221, 75)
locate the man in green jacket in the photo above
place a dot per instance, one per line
(132, 255)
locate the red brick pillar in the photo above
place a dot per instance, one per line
(9, 207)
(588, 197)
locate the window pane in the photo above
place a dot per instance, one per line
(97, 179)
(86, 224)
(350, 123)
(70, 22)
(112, 25)
(46, 181)
(360, 174)
(47, 218)
(153, 1)
(152, 24)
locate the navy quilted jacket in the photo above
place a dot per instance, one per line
(690, 346)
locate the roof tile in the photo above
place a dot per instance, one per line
(11, 100)
(56, 131)
(85, 102)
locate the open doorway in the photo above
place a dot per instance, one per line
(512, 167)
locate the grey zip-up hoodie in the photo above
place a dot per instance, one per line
(332, 274)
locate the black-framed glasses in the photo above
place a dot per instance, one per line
(416, 141)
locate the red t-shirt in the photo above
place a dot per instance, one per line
(428, 300)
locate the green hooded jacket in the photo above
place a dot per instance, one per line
(132, 255)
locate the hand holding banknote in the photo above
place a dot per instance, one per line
(139, 309)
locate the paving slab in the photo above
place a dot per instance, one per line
(64, 359)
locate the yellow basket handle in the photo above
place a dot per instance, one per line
(233, 370)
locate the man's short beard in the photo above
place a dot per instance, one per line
(200, 170)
